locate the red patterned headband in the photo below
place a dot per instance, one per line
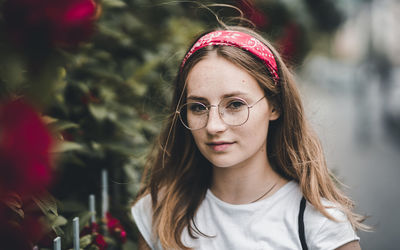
(240, 40)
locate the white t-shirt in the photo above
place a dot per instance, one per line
(271, 223)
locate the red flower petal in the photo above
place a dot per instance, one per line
(25, 144)
(58, 23)
(100, 242)
(115, 228)
(80, 12)
(252, 13)
(123, 236)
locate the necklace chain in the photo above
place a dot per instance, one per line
(269, 190)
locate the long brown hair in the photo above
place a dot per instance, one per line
(177, 175)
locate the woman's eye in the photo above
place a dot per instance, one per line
(234, 105)
(197, 108)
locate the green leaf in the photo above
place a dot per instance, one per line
(68, 146)
(59, 221)
(14, 202)
(12, 69)
(113, 33)
(72, 206)
(113, 3)
(63, 125)
(93, 247)
(151, 62)
(85, 241)
(47, 203)
(55, 222)
(138, 87)
(98, 111)
(119, 147)
(129, 245)
(58, 231)
(84, 219)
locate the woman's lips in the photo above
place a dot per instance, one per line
(219, 146)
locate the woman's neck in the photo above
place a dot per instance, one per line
(246, 183)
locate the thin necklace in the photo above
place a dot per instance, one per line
(269, 190)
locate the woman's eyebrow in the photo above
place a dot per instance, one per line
(199, 98)
(196, 98)
(236, 93)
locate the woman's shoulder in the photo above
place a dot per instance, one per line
(322, 232)
(142, 215)
(144, 199)
(141, 209)
(331, 208)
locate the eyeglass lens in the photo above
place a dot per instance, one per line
(233, 111)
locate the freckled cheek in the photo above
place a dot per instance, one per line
(254, 131)
(251, 136)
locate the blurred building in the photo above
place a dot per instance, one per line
(353, 97)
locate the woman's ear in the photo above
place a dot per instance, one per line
(274, 115)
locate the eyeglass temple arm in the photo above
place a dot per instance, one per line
(257, 102)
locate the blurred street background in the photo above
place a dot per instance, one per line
(85, 86)
(353, 100)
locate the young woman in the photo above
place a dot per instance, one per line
(237, 166)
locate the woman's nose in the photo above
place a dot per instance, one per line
(215, 123)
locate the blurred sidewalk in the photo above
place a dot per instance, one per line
(361, 153)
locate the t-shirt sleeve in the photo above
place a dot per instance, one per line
(323, 233)
(142, 215)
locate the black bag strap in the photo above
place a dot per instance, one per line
(301, 224)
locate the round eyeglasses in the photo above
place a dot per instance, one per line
(234, 111)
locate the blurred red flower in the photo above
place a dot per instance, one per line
(11, 234)
(12, 237)
(25, 144)
(90, 229)
(100, 242)
(98, 239)
(252, 13)
(50, 22)
(115, 228)
(21, 232)
(290, 41)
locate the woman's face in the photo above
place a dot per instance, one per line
(212, 80)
